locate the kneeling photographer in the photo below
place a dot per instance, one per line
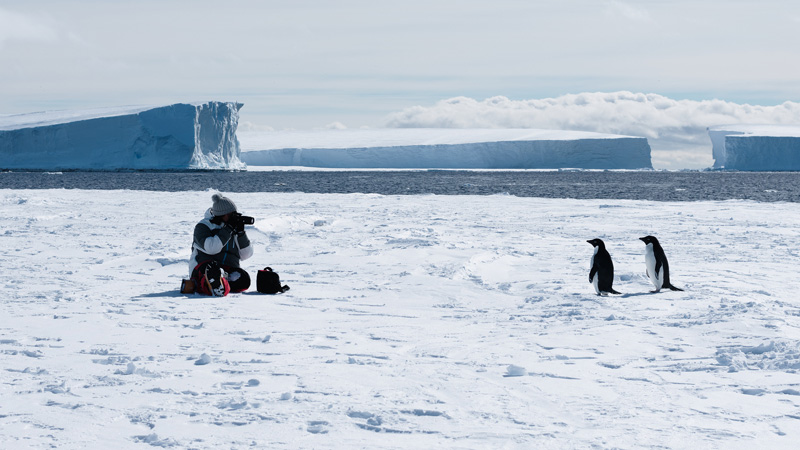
(220, 243)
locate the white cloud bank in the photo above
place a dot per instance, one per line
(676, 129)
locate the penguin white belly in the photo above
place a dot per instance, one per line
(596, 279)
(650, 260)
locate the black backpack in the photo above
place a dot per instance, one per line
(268, 282)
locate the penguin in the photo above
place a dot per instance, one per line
(657, 265)
(601, 274)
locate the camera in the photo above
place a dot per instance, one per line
(246, 220)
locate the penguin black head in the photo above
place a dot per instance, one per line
(597, 243)
(649, 240)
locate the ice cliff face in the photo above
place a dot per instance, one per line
(179, 136)
(756, 147)
(446, 149)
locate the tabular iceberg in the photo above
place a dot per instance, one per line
(179, 136)
(756, 147)
(419, 148)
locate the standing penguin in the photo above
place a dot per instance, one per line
(601, 274)
(657, 265)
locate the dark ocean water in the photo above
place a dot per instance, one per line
(644, 185)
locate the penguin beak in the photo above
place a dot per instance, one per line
(642, 239)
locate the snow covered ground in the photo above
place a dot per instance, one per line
(413, 322)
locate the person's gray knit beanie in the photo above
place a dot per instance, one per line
(222, 205)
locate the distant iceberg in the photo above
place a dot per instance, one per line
(179, 136)
(414, 148)
(756, 147)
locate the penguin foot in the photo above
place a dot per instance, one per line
(606, 293)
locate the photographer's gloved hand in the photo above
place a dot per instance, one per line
(236, 223)
(230, 227)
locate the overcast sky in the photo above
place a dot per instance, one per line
(305, 64)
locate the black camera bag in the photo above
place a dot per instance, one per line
(268, 282)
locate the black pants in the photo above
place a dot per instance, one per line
(242, 283)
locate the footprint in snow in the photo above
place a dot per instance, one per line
(317, 427)
(515, 371)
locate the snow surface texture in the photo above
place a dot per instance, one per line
(179, 136)
(445, 149)
(412, 322)
(756, 147)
